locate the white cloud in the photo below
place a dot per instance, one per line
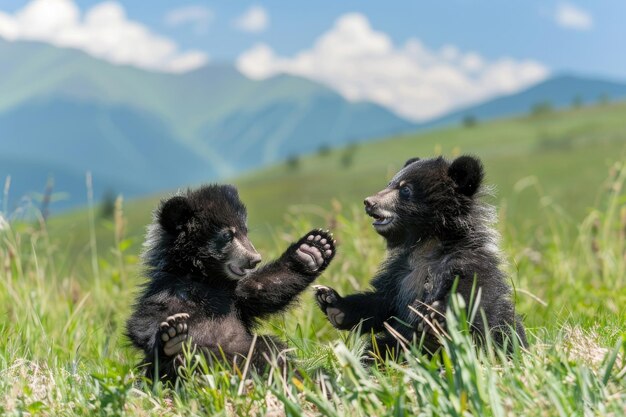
(104, 32)
(199, 17)
(413, 80)
(253, 20)
(572, 17)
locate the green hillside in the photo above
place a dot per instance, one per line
(558, 92)
(561, 159)
(569, 153)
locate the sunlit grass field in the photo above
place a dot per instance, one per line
(66, 289)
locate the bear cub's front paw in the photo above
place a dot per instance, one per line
(328, 300)
(174, 331)
(315, 250)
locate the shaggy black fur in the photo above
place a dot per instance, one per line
(199, 261)
(436, 229)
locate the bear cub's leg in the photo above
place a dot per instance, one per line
(173, 332)
(369, 309)
(273, 287)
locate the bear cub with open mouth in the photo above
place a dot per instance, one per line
(202, 284)
(437, 230)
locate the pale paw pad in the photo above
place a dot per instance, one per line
(315, 250)
(173, 333)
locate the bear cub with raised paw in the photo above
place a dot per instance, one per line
(202, 284)
(437, 230)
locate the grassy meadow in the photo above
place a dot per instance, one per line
(66, 288)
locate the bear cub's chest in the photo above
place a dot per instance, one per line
(208, 302)
(419, 277)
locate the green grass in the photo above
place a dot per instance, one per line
(562, 211)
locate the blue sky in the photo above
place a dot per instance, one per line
(455, 52)
(522, 29)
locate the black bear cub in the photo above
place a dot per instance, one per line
(201, 284)
(436, 230)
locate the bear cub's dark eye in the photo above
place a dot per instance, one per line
(405, 191)
(228, 235)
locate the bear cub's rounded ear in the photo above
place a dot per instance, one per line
(174, 214)
(231, 190)
(410, 161)
(467, 172)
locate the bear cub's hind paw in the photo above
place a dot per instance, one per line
(174, 333)
(315, 250)
(432, 318)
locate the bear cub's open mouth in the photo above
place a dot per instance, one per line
(237, 271)
(380, 218)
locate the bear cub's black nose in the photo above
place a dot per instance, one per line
(254, 261)
(369, 203)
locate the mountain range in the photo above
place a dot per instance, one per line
(63, 113)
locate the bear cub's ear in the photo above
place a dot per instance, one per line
(410, 161)
(467, 172)
(174, 214)
(231, 191)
